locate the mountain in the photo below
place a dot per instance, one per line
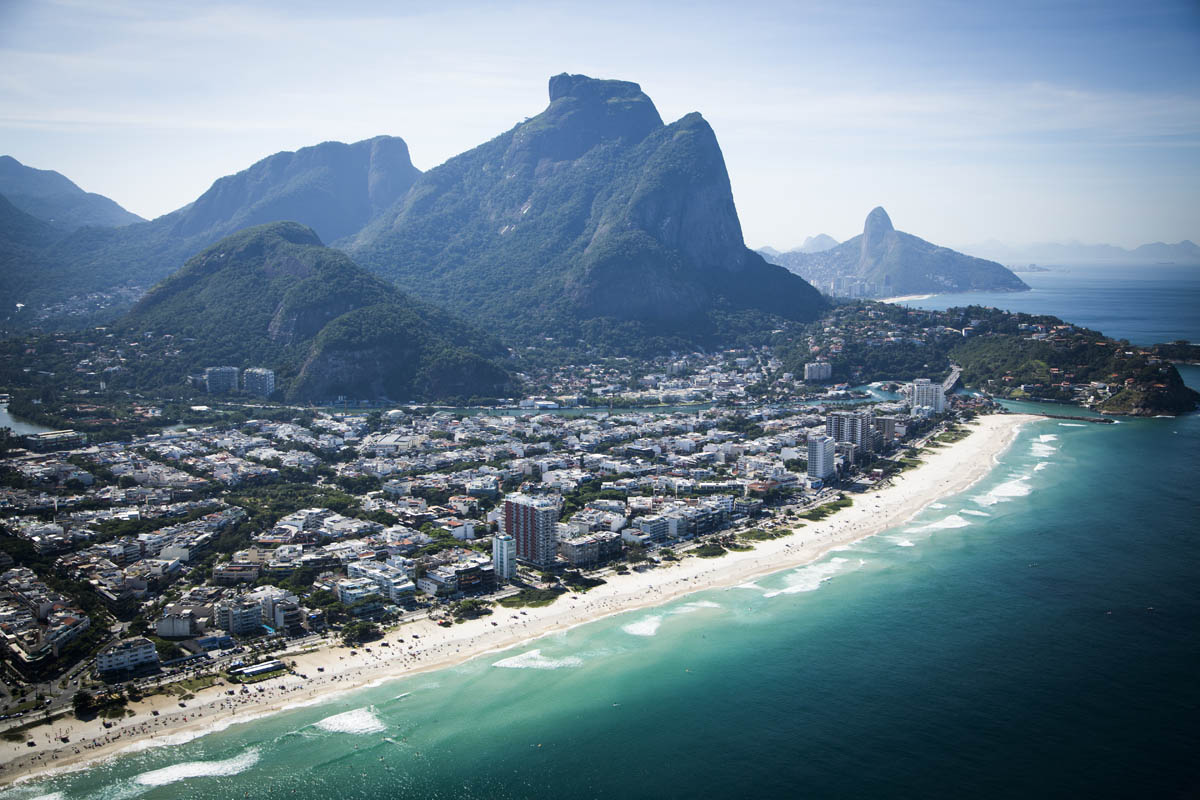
(818, 244)
(274, 296)
(883, 262)
(1184, 252)
(334, 188)
(52, 197)
(22, 239)
(591, 220)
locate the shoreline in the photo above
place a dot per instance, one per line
(422, 646)
(905, 298)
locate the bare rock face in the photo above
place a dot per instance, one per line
(592, 210)
(876, 235)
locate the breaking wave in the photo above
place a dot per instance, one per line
(952, 521)
(810, 578)
(357, 721)
(1017, 487)
(198, 769)
(535, 660)
(647, 626)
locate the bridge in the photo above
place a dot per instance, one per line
(950, 382)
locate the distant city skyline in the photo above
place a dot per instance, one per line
(1027, 122)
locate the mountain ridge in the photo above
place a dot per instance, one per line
(592, 214)
(332, 187)
(1183, 252)
(56, 199)
(882, 261)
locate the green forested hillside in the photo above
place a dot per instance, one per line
(333, 188)
(274, 296)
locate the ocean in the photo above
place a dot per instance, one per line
(1034, 636)
(1145, 304)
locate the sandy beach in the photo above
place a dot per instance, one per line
(423, 645)
(906, 298)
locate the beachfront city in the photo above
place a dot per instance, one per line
(480, 517)
(633, 401)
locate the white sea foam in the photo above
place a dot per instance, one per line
(647, 626)
(937, 505)
(952, 521)
(1041, 465)
(198, 769)
(975, 513)
(51, 796)
(901, 541)
(1071, 425)
(357, 721)
(696, 605)
(810, 578)
(1017, 487)
(1042, 450)
(1048, 437)
(751, 585)
(535, 660)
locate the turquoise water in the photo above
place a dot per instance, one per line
(1037, 635)
(1145, 304)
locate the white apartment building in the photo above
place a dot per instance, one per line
(504, 556)
(818, 371)
(128, 654)
(925, 394)
(820, 457)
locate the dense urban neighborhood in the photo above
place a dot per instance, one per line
(131, 564)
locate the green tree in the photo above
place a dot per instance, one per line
(84, 703)
(359, 632)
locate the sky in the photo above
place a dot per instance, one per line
(968, 121)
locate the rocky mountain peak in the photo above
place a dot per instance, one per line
(595, 89)
(583, 113)
(875, 232)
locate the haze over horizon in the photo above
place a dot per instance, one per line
(1027, 123)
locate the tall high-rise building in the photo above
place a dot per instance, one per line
(532, 522)
(221, 380)
(925, 394)
(887, 429)
(820, 457)
(504, 556)
(259, 381)
(818, 371)
(852, 426)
